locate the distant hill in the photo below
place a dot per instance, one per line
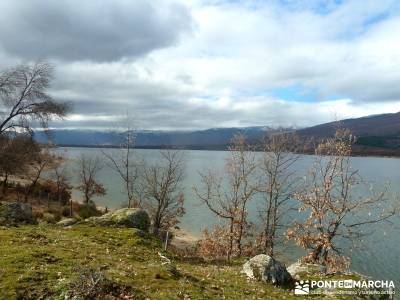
(375, 125)
(373, 133)
(215, 138)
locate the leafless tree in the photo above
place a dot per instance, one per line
(89, 168)
(39, 162)
(126, 165)
(278, 184)
(335, 210)
(164, 197)
(15, 156)
(228, 197)
(8, 162)
(24, 97)
(61, 178)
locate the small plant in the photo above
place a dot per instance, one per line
(93, 284)
(49, 218)
(65, 211)
(89, 210)
(215, 243)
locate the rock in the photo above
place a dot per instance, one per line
(125, 217)
(67, 222)
(265, 268)
(16, 213)
(299, 268)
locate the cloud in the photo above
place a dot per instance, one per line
(194, 64)
(90, 30)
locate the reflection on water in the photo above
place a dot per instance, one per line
(377, 255)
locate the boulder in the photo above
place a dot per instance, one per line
(265, 268)
(125, 217)
(16, 213)
(299, 269)
(67, 222)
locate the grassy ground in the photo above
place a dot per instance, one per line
(48, 262)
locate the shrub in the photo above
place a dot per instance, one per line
(49, 218)
(65, 211)
(215, 243)
(38, 214)
(89, 210)
(93, 284)
(56, 212)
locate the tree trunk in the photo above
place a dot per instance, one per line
(316, 253)
(239, 239)
(157, 219)
(267, 245)
(59, 197)
(230, 250)
(87, 198)
(27, 191)
(271, 245)
(5, 184)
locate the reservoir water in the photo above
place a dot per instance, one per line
(378, 255)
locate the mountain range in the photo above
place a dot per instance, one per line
(214, 138)
(376, 134)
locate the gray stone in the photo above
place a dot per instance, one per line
(16, 213)
(67, 222)
(125, 217)
(299, 269)
(265, 268)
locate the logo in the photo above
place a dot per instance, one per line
(302, 287)
(344, 287)
(348, 284)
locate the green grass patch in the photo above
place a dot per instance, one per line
(49, 262)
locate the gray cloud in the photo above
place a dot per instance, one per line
(89, 30)
(222, 73)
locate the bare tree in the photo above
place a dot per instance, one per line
(278, 184)
(9, 162)
(61, 179)
(24, 97)
(228, 198)
(15, 155)
(335, 210)
(89, 168)
(125, 164)
(164, 197)
(40, 161)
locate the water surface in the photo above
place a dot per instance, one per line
(378, 256)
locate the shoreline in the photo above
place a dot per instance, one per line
(224, 149)
(183, 239)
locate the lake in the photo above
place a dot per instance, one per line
(378, 255)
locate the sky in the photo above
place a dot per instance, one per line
(196, 64)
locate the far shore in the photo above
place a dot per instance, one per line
(378, 152)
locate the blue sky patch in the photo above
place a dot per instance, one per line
(295, 93)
